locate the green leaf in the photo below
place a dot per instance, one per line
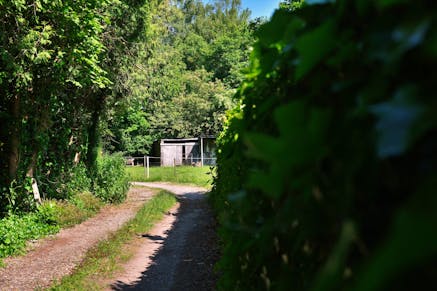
(313, 46)
(269, 33)
(410, 242)
(388, 3)
(396, 119)
(42, 57)
(263, 147)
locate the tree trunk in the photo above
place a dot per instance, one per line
(33, 162)
(14, 142)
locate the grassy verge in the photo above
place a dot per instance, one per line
(68, 213)
(199, 176)
(102, 261)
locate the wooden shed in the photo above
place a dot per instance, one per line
(187, 151)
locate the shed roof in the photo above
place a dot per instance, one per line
(178, 140)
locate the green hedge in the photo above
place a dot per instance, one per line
(327, 168)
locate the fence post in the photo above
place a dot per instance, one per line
(148, 167)
(201, 151)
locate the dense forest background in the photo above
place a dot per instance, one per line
(183, 79)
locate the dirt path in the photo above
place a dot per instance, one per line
(179, 252)
(56, 256)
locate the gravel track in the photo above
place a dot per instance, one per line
(179, 253)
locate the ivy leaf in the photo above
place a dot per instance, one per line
(395, 122)
(303, 130)
(269, 32)
(263, 147)
(313, 47)
(410, 240)
(388, 3)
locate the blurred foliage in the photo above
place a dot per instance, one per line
(327, 167)
(291, 5)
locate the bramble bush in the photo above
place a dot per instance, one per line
(327, 168)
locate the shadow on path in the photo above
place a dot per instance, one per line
(187, 256)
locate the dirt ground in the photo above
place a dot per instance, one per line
(177, 254)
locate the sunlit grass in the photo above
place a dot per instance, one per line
(200, 176)
(102, 261)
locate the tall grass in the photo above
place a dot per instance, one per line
(199, 176)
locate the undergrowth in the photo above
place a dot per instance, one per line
(16, 230)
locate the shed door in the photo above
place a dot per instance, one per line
(171, 154)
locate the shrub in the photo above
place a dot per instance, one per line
(18, 197)
(327, 169)
(111, 182)
(16, 230)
